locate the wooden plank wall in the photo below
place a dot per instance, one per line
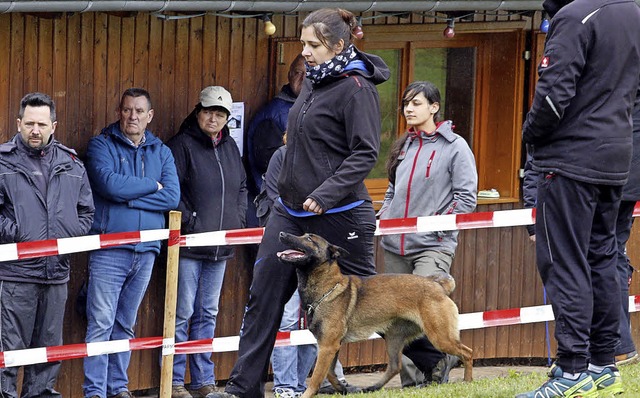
(86, 60)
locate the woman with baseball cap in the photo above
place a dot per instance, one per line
(213, 197)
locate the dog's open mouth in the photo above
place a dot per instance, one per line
(291, 254)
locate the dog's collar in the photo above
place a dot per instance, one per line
(313, 306)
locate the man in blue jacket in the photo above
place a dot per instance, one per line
(44, 194)
(579, 129)
(134, 182)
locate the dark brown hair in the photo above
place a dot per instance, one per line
(432, 94)
(332, 24)
(135, 93)
(36, 100)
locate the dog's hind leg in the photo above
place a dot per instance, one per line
(446, 337)
(327, 352)
(395, 343)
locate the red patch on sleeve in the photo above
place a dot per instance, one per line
(544, 62)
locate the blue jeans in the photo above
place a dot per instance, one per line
(199, 285)
(118, 279)
(291, 365)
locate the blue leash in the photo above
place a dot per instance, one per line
(546, 327)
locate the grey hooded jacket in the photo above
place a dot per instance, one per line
(437, 175)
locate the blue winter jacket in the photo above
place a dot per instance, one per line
(124, 179)
(265, 133)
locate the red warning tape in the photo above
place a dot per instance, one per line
(22, 250)
(450, 222)
(475, 320)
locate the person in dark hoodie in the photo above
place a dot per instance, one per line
(213, 198)
(626, 351)
(579, 129)
(265, 133)
(333, 138)
(44, 194)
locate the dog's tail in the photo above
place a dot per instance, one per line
(447, 282)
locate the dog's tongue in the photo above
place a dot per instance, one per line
(290, 253)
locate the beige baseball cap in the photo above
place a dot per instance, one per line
(216, 96)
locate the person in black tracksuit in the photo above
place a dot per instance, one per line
(333, 137)
(579, 129)
(626, 351)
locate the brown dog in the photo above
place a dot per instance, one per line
(345, 309)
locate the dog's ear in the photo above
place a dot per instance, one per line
(337, 251)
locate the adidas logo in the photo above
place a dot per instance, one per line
(352, 235)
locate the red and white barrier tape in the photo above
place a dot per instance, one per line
(474, 320)
(52, 247)
(490, 219)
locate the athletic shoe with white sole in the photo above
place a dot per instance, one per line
(559, 386)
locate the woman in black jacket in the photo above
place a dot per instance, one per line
(213, 197)
(333, 137)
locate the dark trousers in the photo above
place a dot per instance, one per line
(32, 316)
(624, 223)
(423, 354)
(274, 283)
(576, 252)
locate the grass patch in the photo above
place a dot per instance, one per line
(514, 383)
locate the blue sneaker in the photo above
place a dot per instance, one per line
(558, 386)
(608, 382)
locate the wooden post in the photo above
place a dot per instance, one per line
(170, 300)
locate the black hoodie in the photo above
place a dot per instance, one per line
(213, 194)
(333, 138)
(580, 122)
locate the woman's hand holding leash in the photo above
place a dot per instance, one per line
(312, 206)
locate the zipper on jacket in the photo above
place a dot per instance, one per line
(215, 150)
(304, 109)
(406, 205)
(56, 171)
(433, 154)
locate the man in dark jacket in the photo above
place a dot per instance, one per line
(213, 198)
(44, 194)
(626, 351)
(579, 127)
(265, 132)
(134, 182)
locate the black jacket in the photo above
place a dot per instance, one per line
(333, 137)
(27, 215)
(212, 186)
(580, 122)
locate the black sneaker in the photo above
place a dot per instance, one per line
(348, 389)
(441, 371)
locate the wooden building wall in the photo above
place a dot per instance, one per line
(85, 61)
